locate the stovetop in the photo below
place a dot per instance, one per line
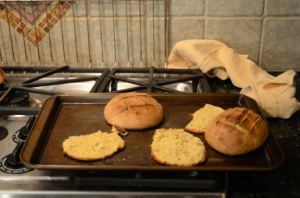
(25, 89)
(23, 94)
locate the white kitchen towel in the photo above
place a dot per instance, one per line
(274, 95)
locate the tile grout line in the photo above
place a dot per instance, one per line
(262, 34)
(252, 17)
(195, 16)
(205, 20)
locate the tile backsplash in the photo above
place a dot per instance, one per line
(135, 33)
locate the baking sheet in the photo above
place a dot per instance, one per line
(64, 116)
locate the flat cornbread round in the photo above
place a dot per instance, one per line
(202, 118)
(177, 148)
(93, 146)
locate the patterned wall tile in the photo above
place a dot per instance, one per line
(281, 44)
(56, 40)
(7, 46)
(243, 35)
(46, 53)
(235, 7)
(283, 7)
(109, 8)
(33, 19)
(69, 41)
(113, 46)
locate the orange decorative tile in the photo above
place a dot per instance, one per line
(33, 19)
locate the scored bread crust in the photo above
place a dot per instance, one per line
(133, 111)
(95, 146)
(237, 131)
(176, 147)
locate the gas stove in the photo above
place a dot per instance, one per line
(23, 94)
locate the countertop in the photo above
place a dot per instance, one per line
(283, 181)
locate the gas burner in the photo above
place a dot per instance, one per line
(21, 134)
(12, 164)
(3, 132)
(20, 98)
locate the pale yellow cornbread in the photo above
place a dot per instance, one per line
(94, 146)
(177, 147)
(202, 118)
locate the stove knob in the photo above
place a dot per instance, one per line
(24, 131)
(13, 159)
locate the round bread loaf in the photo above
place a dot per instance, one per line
(133, 111)
(236, 131)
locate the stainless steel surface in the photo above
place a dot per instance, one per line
(120, 194)
(36, 100)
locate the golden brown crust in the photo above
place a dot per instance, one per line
(237, 131)
(133, 111)
(191, 130)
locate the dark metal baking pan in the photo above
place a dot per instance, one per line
(64, 116)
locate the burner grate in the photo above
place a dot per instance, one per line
(12, 101)
(115, 80)
(154, 80)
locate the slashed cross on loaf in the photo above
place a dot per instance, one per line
(237, 131)
(133, 111)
